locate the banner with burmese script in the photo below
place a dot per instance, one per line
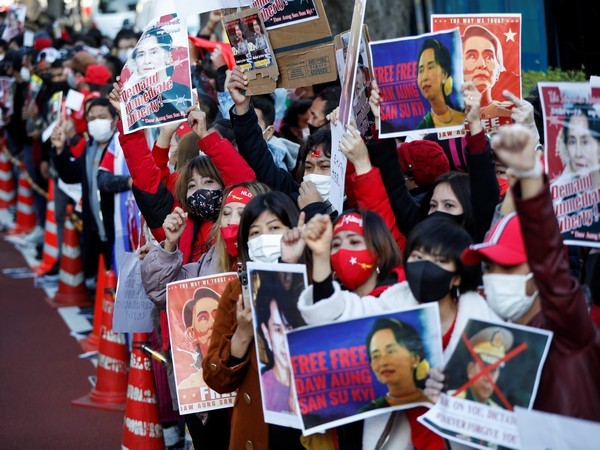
(572, 159)
(348, 371)
(491, 51)
(156, 80)
(191, 309)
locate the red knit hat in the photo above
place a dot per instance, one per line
(423, 160)
(97, 74)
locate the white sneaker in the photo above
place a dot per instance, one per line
(171, 436)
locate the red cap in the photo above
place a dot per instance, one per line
(41, 43)
(349, 222)
(183, 129)
(239, 194)
(503, 245)
(97, 74)
(424, 160)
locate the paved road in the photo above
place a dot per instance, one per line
(40, 373)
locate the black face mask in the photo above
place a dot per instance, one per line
(456, 218)
(60, 86)
(428, 282)
(205, 204)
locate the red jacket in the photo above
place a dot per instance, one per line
(154, 184)
(369, 191)
(569, 384)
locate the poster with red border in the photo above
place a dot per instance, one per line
(191, 309)
(572, 159)
(491, 59)
(156, 80)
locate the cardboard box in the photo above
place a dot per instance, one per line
(304, 51)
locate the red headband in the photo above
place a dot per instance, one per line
(350, 222)
(316, 153)
(239, 194)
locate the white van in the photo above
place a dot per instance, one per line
(109, 16)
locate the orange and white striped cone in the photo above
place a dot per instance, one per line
(92, 341)
(142, 427)
(71, 281)
(25, 220)
(110, 391)
(50, 251)
(7, 183)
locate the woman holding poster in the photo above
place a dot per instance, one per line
(231, 363)
(435, 82)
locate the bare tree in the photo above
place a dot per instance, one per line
(386, 19)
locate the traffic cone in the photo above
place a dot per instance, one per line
(110, 391)
(71, 282)
(7, 183)
(141, 427)
(91, 342)
(50, 252)
(25, 220)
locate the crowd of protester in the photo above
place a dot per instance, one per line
(247, 179)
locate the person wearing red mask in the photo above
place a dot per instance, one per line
(164, 264)
(434, 273)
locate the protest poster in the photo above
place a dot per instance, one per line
(544, 431)
(491, 52)
(7, 84)
(417, 92)
(283, 13)
(362, 83)
(191, 309)
(275, 289)
(301, 39)
(350, 370)
(55, 108)
(156, 80)
(132, 310)
(14, 23)
(252, 50)
(345, 111)
(572, 159)
(495, 367)
(35, 86)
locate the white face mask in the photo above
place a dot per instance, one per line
(265, 248)
(507, 295)
(322, 183)
(25, 74)
(100, 129)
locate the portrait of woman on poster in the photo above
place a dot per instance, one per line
(483, 63)
(397, 357)
(277, 312)
(578, 144)
(435, 82)
(239, 44)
